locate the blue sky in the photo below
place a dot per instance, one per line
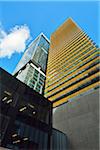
(46, 17)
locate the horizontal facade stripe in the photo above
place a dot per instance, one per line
(64, 63)
(74, 86)
(78, 69)
(73, 77)
(69, 45)
(70, 50)
(79, 88)
(66, 44)
(66, 47)
(67, 56)
(70, 81)
(62, 88)
(65, 99)
(96, 54)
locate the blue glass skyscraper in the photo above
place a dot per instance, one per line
(32, 66)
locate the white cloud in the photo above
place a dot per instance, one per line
(14, 41)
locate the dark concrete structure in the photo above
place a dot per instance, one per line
(26, 118)
(79, 119)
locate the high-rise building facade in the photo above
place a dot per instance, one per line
(33, 76)
(73, 64)
(32, 66)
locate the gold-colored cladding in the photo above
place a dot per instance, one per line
(58, 38)
(71, 52)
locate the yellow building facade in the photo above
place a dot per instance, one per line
(73, 64)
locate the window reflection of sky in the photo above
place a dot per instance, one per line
(37, 51)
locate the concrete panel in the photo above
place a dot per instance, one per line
(79, 119)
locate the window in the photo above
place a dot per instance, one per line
(44, 43)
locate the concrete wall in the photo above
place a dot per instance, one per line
(79, 119)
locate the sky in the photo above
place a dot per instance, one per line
(22, 22)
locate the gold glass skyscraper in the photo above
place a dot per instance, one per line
(73, 64)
